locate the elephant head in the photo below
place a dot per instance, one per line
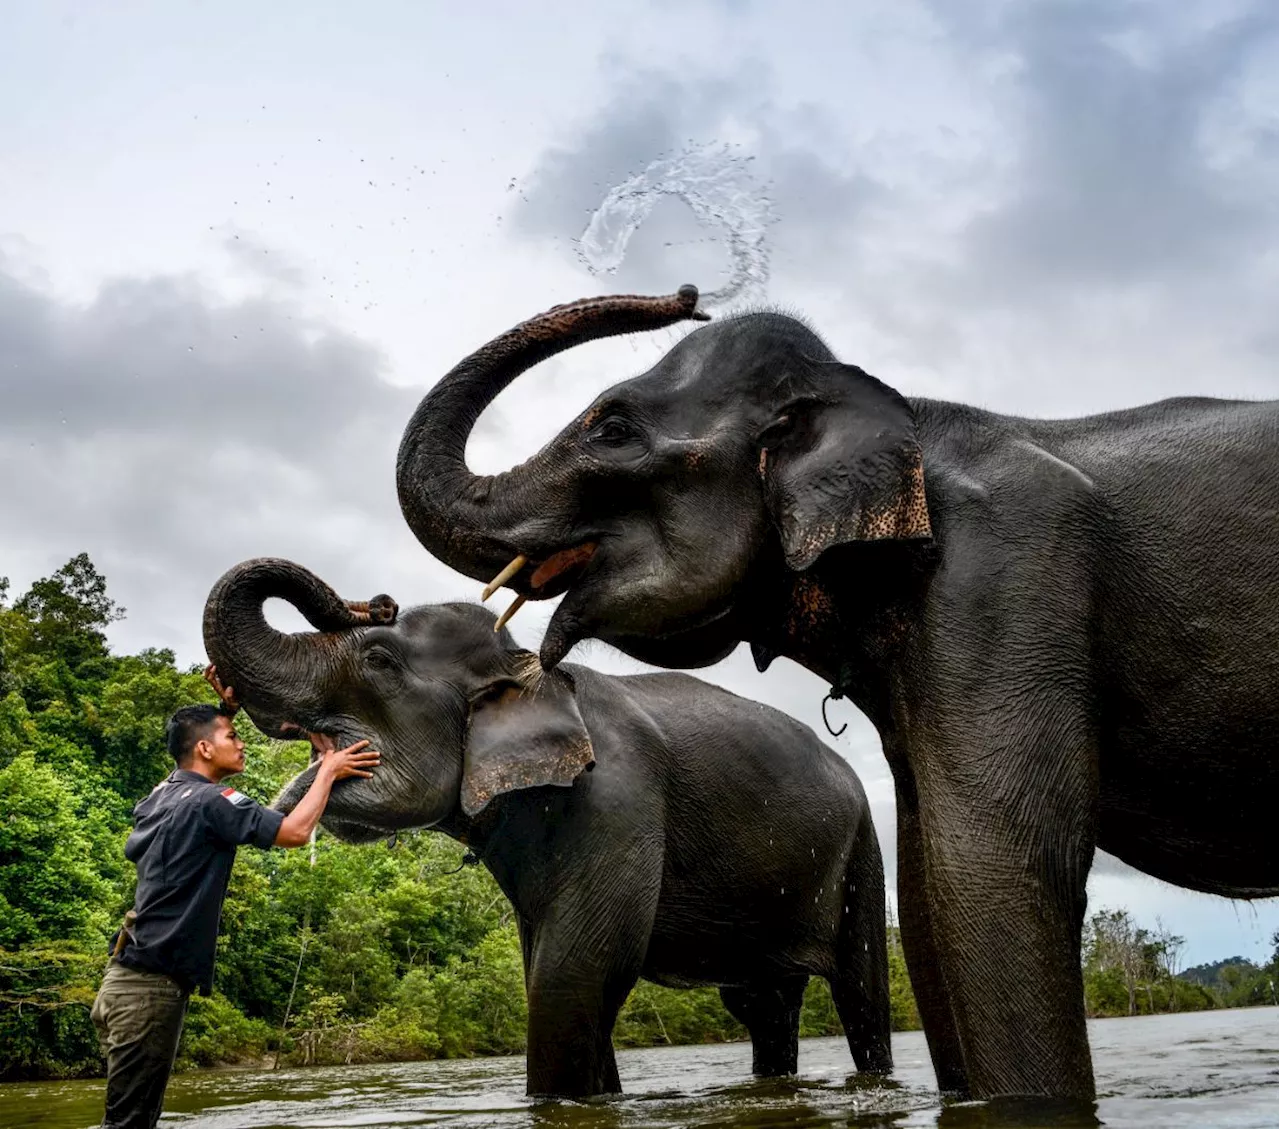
(457, 711)
(743, 455)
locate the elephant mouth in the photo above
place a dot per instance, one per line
(542, 580)
(322, 741)
(701, 638)
(351, 831)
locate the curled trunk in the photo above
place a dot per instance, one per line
(468, 520)
(274, 672)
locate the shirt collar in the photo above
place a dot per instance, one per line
(179, 775)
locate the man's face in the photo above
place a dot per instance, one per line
(222, 749)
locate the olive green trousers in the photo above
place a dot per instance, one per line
(139, 1020)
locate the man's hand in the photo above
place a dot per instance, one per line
(226, 693)
(341, 764)
(334, 765)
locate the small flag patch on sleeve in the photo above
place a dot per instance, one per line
(235, 797)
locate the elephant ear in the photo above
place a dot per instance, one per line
(841, 463)
(523, 736)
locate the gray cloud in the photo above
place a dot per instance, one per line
(163, 354)
(1138, 152)
(170, 433)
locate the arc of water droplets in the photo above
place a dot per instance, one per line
(720, 189)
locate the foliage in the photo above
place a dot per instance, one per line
(1238, 982)
(217, 1032)
(46, 991)
(49, 887)
(335, 954)
(1129, 970)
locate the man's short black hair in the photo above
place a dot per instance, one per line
(187, 728)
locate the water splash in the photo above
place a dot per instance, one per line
(720, 188)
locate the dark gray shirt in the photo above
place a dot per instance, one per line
(184, 840)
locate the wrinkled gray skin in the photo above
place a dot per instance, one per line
(651, 826)
(1064, 630)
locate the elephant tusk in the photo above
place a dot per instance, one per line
(502, 577)
(505, 617)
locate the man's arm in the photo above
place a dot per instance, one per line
(335, 765)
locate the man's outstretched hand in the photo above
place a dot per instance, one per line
(332, 765)
(225, 693)
(354, 760)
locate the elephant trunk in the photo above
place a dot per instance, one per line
(466, 520)
(274, 673)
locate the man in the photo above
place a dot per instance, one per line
(184, 841)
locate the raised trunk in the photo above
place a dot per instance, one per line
(271, 671)
(464, 519)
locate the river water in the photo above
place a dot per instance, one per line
(1197, 1071)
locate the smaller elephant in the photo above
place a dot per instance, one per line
(647, 826)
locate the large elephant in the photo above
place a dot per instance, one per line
(694, 837)
(1063, 630)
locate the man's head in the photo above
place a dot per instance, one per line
(203, 739)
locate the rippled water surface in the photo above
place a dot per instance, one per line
(1193, 1071)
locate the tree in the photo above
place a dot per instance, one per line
(69, 611)
(50, 889)
(1113, 945)
(1165, 954)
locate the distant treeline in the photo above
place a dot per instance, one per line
(341, 954)
(1237, 982)
(1129, 970)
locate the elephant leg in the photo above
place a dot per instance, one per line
(571, 1018)
(525, 931)
(1006, 863)
(920, 949)
(771, 1013)
(586, 953)
(860, 985)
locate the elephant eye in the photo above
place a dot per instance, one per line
(614, 432)
(379, 660)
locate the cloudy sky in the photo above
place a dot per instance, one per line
(238, 241)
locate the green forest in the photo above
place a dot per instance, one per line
(338, 953)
